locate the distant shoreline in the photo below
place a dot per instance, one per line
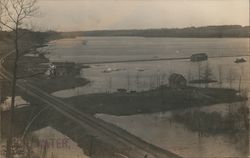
(224, 31)
(220, 31)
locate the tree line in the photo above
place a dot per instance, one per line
(194, 32)
(189, 32)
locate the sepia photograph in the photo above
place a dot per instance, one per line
(124, 78)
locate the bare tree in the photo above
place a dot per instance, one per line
(13, 15)
(220, 75)
(110, 84)
(199, 69)
(207, 75)
(231, 77)
(128, 80)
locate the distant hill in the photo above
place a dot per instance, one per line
(189, 32)
(193, 32)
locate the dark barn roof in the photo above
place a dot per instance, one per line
(176, 77)
(177, 81)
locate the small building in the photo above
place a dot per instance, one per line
(177, 81)
(199, 57)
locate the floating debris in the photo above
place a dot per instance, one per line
(240, 60)
(108, 70)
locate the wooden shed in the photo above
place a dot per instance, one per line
(177, 81)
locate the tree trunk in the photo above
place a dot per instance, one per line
(9, 153)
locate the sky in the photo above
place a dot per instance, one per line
(82, 15)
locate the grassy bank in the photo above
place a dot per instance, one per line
(156, 100)
(33, 69)
(32, 65)
(67, 76)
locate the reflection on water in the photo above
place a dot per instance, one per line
(159, 130)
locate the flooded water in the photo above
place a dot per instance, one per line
(154, 74)
(122, 48)
(146, 75)
(158, 129)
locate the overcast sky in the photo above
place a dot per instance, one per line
(70, 15)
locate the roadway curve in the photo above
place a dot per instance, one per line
(130, 145)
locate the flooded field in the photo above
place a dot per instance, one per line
(147, 75)
(138, 76)
(160, 130)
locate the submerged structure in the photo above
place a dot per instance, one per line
(199, 57)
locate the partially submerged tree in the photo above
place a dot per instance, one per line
(199, 64)
(207, 75)
(13, 15)
(231, 76)
(220, 75)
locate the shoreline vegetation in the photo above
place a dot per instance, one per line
(222, 31)
(34, 68)
(160, 99)
(215, 123)
(32, 64)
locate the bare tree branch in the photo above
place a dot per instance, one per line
(13, 12)
(9, 27)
